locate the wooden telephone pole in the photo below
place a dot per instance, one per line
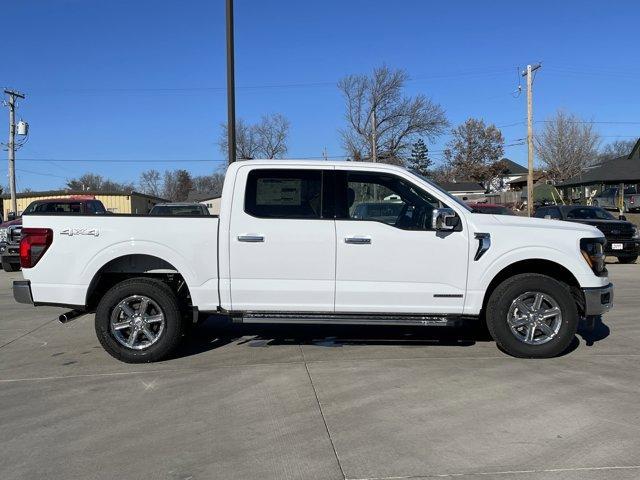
(13, 95)
(528, 73)
(231, 87)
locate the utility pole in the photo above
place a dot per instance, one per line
(374, 140)
(12, 145)
(528, 73)
(231, 87)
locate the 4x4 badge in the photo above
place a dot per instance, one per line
(80, 231)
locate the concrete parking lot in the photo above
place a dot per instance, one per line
(319, 403)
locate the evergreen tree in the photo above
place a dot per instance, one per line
(420, 160)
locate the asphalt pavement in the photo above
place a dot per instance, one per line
(319, 402)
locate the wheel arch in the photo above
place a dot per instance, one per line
(540, 266)
(134, 265)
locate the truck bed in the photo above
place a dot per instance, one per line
(83, 245)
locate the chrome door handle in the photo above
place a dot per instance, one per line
(358, 240)
(252, 238)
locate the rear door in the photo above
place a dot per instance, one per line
(282, 246)
(395, 262)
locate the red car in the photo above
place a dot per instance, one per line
(11, 230)
(490, 208)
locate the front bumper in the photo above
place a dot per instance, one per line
(22, 291)
(629, 247)
(597, 300)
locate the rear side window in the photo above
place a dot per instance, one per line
(284, 193)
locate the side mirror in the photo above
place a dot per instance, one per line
(622, 217)
(444, 219)
(11, 216)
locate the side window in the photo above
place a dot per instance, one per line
(98, 207)
(555, 213)
(541, 212)
(385, 198)
(89, 207)
(284, 193)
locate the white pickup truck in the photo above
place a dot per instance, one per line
(288, 248)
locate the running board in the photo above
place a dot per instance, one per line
(349, 319)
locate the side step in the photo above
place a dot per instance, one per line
(349, 319)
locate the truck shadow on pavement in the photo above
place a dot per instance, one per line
(217, 332)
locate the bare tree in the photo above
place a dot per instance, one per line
(247, 145)
(272, 134)
(209, 183)
(94, 181)
(474, 151)
(266, 139)
(399, 119)
(567, 145)
(150, 182)
(617, 148)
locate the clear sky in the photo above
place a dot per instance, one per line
(144, 79)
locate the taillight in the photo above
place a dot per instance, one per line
(33, 244)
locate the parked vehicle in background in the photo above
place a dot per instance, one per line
(11, 232)
(183, 208)
(386, 212)
(490, 208)
(623, 239)
(609, 199)
(287, 248)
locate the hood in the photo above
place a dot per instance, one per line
(597, 222)
(533, 223)
(17, 221)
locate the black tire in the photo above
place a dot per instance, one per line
(629, 259)
(169, 338)
(10, 267)
(506, 293)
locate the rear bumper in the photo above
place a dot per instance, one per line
(22, 291)
(598, 300)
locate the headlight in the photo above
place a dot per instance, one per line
(592, 250)
(3, 234)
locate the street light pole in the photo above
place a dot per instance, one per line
(231, 87)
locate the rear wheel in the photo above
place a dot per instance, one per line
(139, 320)
(532, 316)
(628, 259)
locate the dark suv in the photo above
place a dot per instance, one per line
(623, 240)
(11, 231)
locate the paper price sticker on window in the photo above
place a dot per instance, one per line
(279, 191)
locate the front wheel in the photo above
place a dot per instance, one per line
(139, 320)
(532, 316)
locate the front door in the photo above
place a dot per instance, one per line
(389, 259)
(281, 245)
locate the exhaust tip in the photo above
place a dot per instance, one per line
(67, 317)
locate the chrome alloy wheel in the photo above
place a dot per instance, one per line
(534, 318)
(137, 322)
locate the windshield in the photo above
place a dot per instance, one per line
(589, 213)
(178, 210)
(441, 190)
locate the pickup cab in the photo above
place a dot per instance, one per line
(288, 248)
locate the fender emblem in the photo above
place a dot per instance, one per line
(80, 231)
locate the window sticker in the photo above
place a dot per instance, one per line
(279, 191)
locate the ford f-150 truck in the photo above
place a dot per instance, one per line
(288, 247)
